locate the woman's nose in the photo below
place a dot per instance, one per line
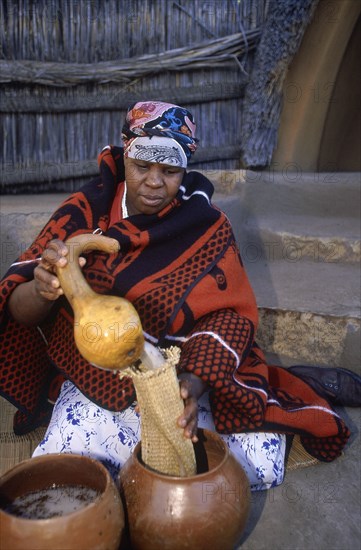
(154, 178)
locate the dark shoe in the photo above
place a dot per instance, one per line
(338, 386)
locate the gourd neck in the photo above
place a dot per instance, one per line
(71, 278)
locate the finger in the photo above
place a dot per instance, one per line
(46, 283)
(185, 389)
(45, 278)
(54, 254)
(190, 413)
(190, 431)
(51, 295)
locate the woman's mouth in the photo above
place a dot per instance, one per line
(152, 200)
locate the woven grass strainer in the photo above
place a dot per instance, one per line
(164, 447)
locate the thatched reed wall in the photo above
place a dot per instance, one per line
(69, 69)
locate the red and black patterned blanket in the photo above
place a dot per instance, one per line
(182, 271)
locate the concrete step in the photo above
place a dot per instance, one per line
(308, 216)
(298, 238)
(319, 506)
(319, 194)
(323, 288)
(274, 236)
(300, 242)
(309, 312)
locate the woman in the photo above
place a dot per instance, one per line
(180, 267)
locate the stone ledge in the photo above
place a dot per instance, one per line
(294, 337)
(331, 289)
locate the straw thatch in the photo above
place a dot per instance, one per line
(68, 71)
(222, 52)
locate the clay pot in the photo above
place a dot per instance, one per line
(97, 525)
(208, 510)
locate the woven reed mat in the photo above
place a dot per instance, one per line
(14, 448)
(164, 447)
(298, 457)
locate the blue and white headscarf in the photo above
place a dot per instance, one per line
(155, 131)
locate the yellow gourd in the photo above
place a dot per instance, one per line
(107, 329)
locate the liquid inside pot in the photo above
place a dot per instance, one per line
(52, 502)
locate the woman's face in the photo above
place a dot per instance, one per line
(150, 186)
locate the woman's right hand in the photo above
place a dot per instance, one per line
(47, 284)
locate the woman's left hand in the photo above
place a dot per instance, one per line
(191, 388)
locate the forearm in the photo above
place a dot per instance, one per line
(27, 306)
(31, 302)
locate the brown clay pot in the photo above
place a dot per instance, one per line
(98, 525)
(208, 510)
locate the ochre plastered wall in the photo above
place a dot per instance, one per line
(318, 108)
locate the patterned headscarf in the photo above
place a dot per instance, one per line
(159, 132)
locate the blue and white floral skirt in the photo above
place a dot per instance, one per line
(79, 426)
